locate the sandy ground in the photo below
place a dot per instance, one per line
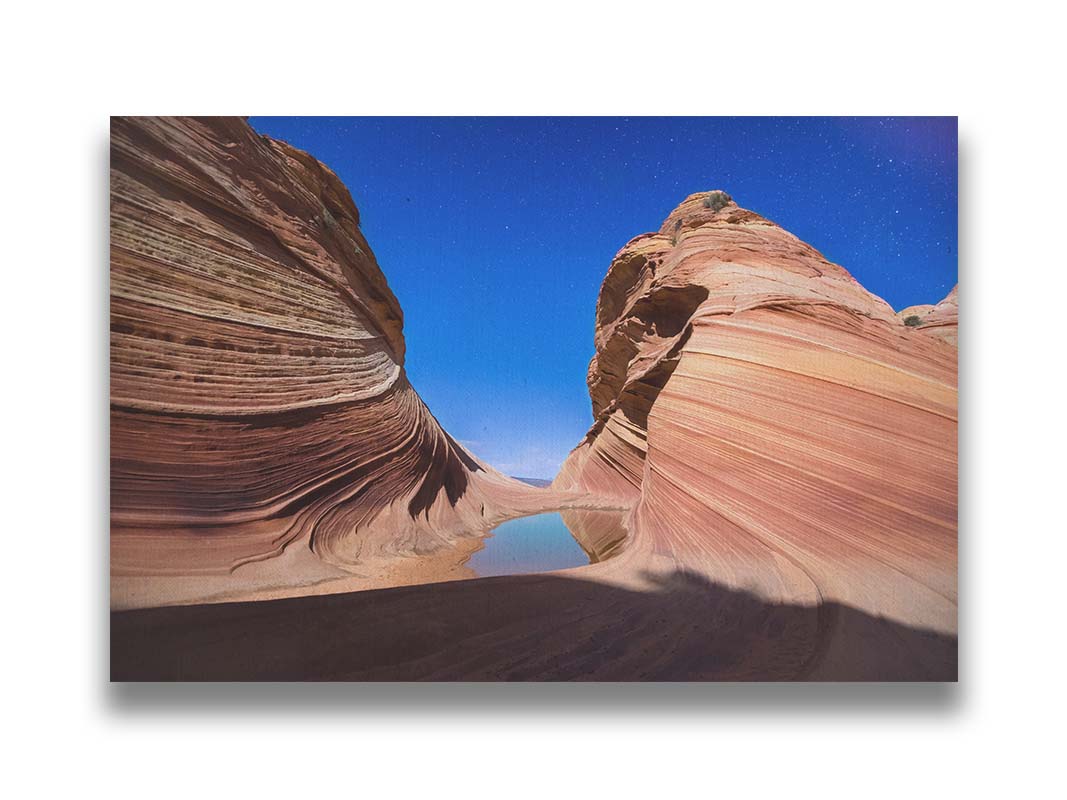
(304, 574)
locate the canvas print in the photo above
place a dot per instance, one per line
(533, 399)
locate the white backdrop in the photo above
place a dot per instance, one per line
(67, 67)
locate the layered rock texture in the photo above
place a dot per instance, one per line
(778, 428)
(259, 403)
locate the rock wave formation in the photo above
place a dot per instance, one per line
(258, 393)
(777, 427)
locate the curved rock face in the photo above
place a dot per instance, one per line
(258, 394)
(778, 428)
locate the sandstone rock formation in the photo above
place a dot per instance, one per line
(778, 428)
(258, 395)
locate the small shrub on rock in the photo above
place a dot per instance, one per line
(717, 200)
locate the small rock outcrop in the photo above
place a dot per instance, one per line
(941, 320)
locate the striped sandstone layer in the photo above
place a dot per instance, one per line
(264, 436)
(777, 428)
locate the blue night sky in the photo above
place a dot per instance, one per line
(495, 234)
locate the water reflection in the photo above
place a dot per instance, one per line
(539, 543)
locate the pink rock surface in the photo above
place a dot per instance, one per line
(778, 428)
(258, 397)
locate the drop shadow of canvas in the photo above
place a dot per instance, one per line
(526, 628)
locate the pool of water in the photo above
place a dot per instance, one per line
(528, 544)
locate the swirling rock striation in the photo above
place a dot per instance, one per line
(258, 393)
(778, 428)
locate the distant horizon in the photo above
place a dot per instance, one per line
(496, 233)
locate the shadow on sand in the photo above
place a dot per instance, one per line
(525, 628)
